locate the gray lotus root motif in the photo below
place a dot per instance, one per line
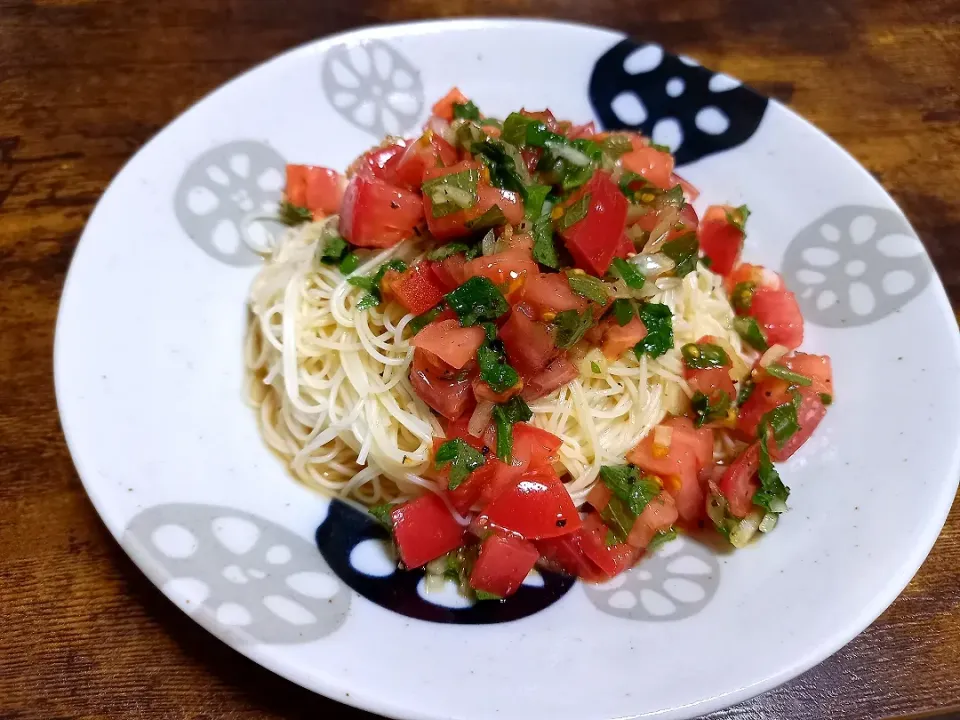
(373, 87)
(674, 583)
(242, 577)
(222, 191)
(855, 265)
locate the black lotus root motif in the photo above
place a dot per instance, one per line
(345, 529)
(696, 112)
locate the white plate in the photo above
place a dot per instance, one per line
(149, 382)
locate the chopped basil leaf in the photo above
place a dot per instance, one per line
(515, 129)
(706, 261)
(683, 252)
(624, 310)
(661, 148)
(332, 250)
(826, 399)
(463, 460)
(466, 111)
(504, 416)
(368, 301)
(350, 262)
(706, 410)
(742, 297)
(704, 356)
(477, 299)
(575, 212)
(504, 172)
(782, 421)
(492, 218)
(533, 204)
(784, 373)
(616, 145)
(610, 538)
(595, 366)
(494, 369)
(625, 482)
(421, 321)
(383, 514)
(773, 494)
(747, 386)
(588, 286)
(448, 250)
(658, 320)
(628, 272)
(544, 250)
(453, 192)
(490, 330)
(738, 217)
(491, 122)
(469, 133)
(371, 283)
(474, 252)
(290, 214)
(572, 326)
(618, 518)
(484, 595)
(750, 331)
(660, 538)
(645, 194)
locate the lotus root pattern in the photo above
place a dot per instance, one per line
(855, 266)
(244, 578)
(373, 87)
(696, 112)
(674, 583)
(224, 189)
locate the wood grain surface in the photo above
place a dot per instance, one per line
(84, 83)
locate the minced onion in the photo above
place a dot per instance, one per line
(653, 265)
(746, 529)
(740, 369)
(773, 353)
(663, 436)
(660, 231)
(570, 154)
(442, 128)
(480, 418)
(768, 523)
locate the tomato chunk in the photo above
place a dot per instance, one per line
(534, 447)
(502, 565)
(380, 163)
(558, 373)
(425, 530)
(444, 106)
(453, 344)
(779, 317)
(771, 393)
(537, 507)
(417, 289)
(618, 339)
(376, 214)
(720, 238)
(809, 415)
(428, 152)
(449, 272)
(551, 293)
(611, 559)
(815, 367)
(456, 224)
(659, 515)
(318, 189)
(656, 166)
(529, 344)
(593, 240)
(566, 554)
(449, 396)
(710, 381)
(739, 482)
(506, 268)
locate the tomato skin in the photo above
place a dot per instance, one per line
(537, 507)
(505, 268)
(659, 514)
(529, 344)
(610, 559)
(654, 165)
(455, 224)
(535, 447)
(425, 530)
(779, 317)
(625, 248)
(720, 239)
(619, 339)
(376, 214)
(443, 108)
(426, 153)
(502, 565)
(594, 240)
(555, 375)
(739, 482)
(449, 397)
(417, 289)
(815, 367)
(565, 553)
(551, 293)
(318, 189)
(380, 163)
(453, 344)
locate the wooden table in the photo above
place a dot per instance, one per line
(84, 83)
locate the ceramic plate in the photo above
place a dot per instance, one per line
(149, 376)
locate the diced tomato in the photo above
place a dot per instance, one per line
(535, 447)
(449, 397)
(381, 163)
(544, 116)
(720, 239)
(551, 293)
(778, 315)
(417, 289)
(815, 367)
(689, 191)
(599, 496)
(593, 240)
(455, 224)
(565, 553)
(760, 276)
(425, 530)
(611, 559)
(428, 152)
(444, 106)
(529, 344)
(771, 393)
(587, 130)
(470, 491)
(739, 482)
(318, 189)
(558, 373)
(654, 165)
(375, 214)
(531, 157)
(625, 248)
(537, 507)
(660, 514)
(502, 565)
(809, 415)
(618, 339)
(453, 344)
(449, 271)
(483, 391)
(710, 381)
(508, 268)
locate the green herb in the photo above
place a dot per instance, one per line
(748, 328)
(504, 416)
(484, 595)
(595, 366)
(618, 519)
(515, 129)
(448, 250)
(616, 145)
(368, 301)
(332, 250)
(491, 122)
(704, 356)
(738, 217)
(469, 133)
(453, 192)
(660, 148)
(707, 410)
(466, 111)
(659, 323)
(559, 170)
(490, 330)
(534, 201)
(660, 538)
(504, 172)
(627, 272)
(492, 218)
(494, 369)
(290, 214)
(371, 283)
(477, 299)
(826, 399)
(645, 194)
(624, 311)
(683, 252)
(782, 422)
(541, 227)
(574, 213)
(421, 321)
(350, 262)
(706, 261)
(784, 373)
(773, 494)
(610, 538)
(747, 386)
(462, 458)
(589, 287)
(625, 482)
(383, 514)
(742, 297)
(572, 326)
(473, 253)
